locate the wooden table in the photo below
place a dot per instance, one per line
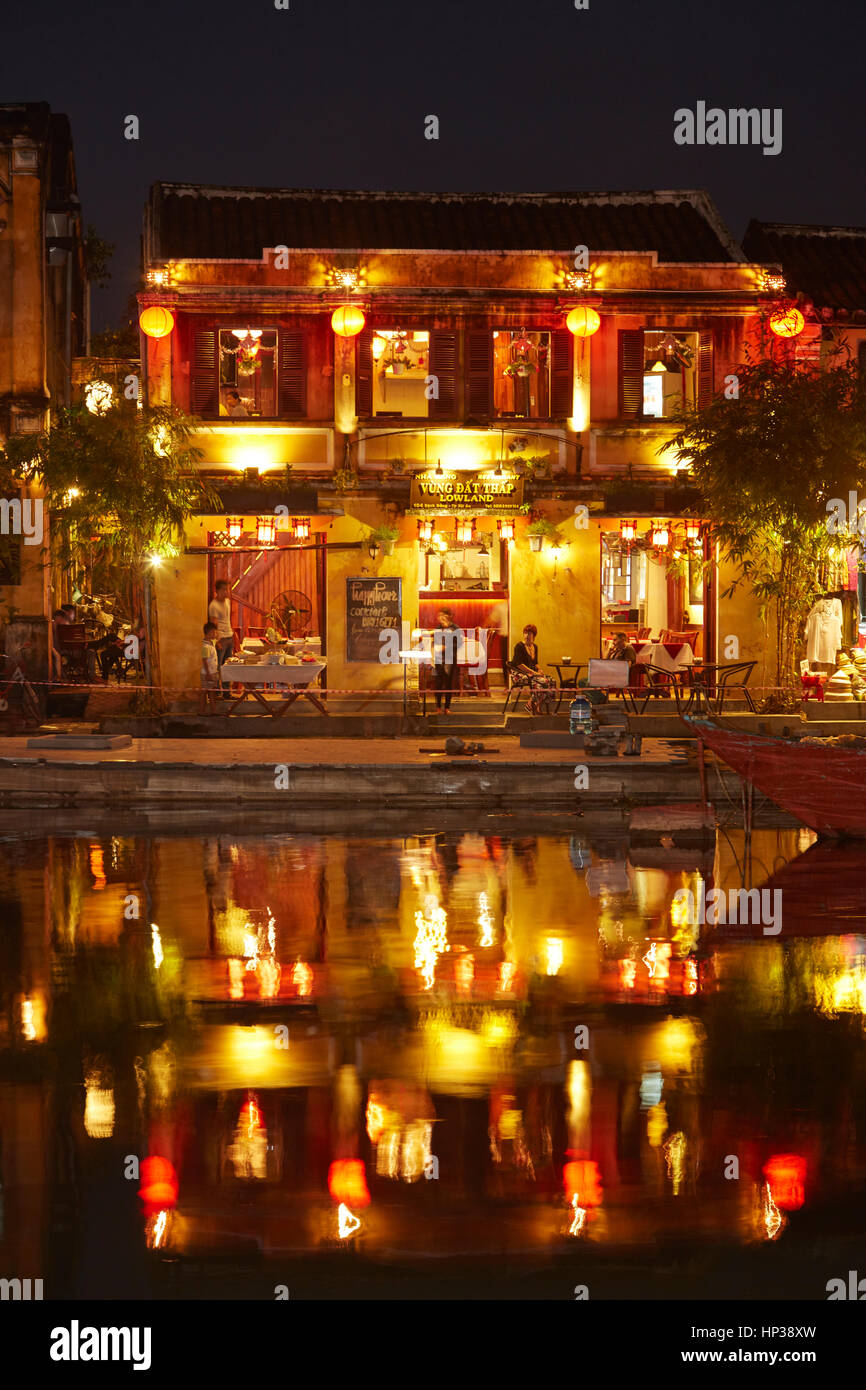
(575, 667)
(253, 677)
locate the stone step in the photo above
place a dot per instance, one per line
(80, 741)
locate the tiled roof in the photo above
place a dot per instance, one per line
(825, 264)
(191, 222)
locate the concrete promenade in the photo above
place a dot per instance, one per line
(387, 773)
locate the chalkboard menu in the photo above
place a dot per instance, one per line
(373, 606)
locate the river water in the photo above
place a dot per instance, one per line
(487, 1060)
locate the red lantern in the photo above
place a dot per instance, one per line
(581, 1179)
(627, 530)
(347, 1183)
(786, 1179)
(159, 1183)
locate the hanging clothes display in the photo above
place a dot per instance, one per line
(824, 631)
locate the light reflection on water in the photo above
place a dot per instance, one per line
(461, 1044)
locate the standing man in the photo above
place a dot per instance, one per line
(220, 614)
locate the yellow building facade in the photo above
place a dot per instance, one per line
(467, 369)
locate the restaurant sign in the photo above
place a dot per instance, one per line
(468, 494)
(373, 606)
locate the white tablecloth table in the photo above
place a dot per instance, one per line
(657, 654)
(254, 677)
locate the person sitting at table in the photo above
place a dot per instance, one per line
(525, 669)
(110, 651)
(447, 651)
(234, 404)
(622, 650)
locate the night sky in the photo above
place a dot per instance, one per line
(530, 97)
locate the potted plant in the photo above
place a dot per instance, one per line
(520, 368)
(536, 466)
(384, 536)
(397, 467)
(345, 479)
(541, 530)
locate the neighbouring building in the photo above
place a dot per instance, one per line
(824, 268)
(43, 326)
(468, 408)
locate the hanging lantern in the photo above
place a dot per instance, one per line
(786, 1178)
(464, 532)
(378, 347)
(235, 528)
(347, 321)
(266, 530)
(661, 534)
(156, 322)
(581, 1179)
(583, 322)
(347, 1182)
(693, 532)
(506, 530)
(627, 530)
(425, 531)
(300, 527)
(159, 1184)
(522, 344)
(787, 323)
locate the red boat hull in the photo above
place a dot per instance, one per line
(823, 786)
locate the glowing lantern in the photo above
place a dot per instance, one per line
(347, 321)
(787, 323)
(582, 1179)
(628, 530)
(464, 532)
(660, 534)
(159, 1183)
(506, 530)
(347, 1182)
(301, 527)
(583, 322)
(378, 347)
(425, 530)
(98, 397)
(266, 530)
(522, 345)
(786, 1178)
(235, 528)
(156, 322)
(693, 531)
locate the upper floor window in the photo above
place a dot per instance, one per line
(247, 371)
(663, 371)
(521, 374)
(402, 382)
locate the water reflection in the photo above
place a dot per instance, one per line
(518, 1046)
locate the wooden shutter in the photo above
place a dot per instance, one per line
(705, 370)
(364, 375)
(479, 374)
(293, 374)
(630, 372)
(443, 365)
(561, 373)
(204, 390)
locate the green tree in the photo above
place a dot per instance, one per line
(767, 464)
(97, 257)
(119, 487)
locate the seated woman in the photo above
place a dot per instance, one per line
(525, 670)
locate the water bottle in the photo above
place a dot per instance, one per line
(579, 715)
